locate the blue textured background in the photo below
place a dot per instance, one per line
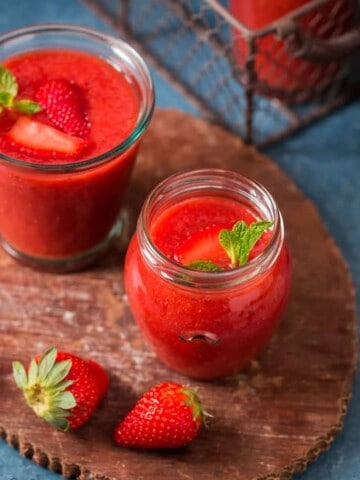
(323, 160)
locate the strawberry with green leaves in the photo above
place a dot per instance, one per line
(61, 387)
(215, 248)
(169, 415)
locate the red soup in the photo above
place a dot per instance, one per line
(64, 168)
(207, 323)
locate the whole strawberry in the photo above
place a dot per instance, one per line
(62, 388)
(168, 415)
(63, 103)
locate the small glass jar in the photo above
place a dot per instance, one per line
(62, 216)
(207, 324)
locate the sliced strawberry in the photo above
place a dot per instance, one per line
(203, 245)
(29, 135)
(63, 103)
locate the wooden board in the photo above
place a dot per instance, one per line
(269, 421)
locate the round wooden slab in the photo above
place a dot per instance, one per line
(269, 421)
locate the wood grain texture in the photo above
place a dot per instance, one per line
(269, 421)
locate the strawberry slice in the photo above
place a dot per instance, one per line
(31, 136)
(203, 245)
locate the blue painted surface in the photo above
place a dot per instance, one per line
(323, 160)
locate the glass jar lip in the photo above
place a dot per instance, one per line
(106, 39)
(171, 270)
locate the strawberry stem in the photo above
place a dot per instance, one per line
(44, 388)
(194, 402)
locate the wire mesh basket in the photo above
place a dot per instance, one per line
(252, 65)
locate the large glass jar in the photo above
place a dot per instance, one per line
(206, 324)
(62, 214)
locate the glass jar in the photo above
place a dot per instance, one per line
(61, 215)
(206, 324)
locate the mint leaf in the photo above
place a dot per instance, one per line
(8, 92)
(27, 106)
(8, 83)
(6, 99)
(239, 241)
(204, 266)
(250, 237)
(230, 240)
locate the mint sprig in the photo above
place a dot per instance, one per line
(237, 244)
(9, 89)
(239, 241)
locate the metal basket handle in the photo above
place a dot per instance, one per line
(316, 50)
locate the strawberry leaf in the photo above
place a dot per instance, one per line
(20, 374)
(46, 363)
(239, 241)
(58, 419)
(60, 387)
(59, 372)
(65, 400)
(33, 372)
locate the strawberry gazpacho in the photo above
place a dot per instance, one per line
(207, 272)
(70, 125)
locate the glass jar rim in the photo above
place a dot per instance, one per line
(106, 40)
(172, 270)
